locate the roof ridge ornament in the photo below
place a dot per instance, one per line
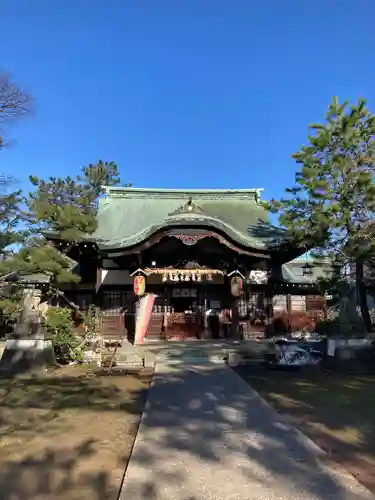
(188, 208)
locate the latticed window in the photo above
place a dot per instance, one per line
(115, 300)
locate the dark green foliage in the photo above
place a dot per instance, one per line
(334, 197)
(328, 327)
(10, 216)
(10, 234)
(67, 206)
(60, 326)
(44, 258)
(331, 207)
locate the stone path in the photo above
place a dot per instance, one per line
(206, 435)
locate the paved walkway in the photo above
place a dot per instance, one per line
(206, 435)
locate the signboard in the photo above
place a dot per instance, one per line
(139, 285)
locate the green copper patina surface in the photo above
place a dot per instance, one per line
(293, 271)
(129, 216)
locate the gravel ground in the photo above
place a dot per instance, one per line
(205, 434)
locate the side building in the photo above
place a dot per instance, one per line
(209, 258)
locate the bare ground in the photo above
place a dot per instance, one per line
(68, 434)
(336, 411)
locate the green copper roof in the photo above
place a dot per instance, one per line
(128, 216)
(292, 272)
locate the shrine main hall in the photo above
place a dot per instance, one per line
(196, 263)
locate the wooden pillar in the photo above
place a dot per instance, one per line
(205, 317)
(289, 311)
(235, 319)
(98, 284)
(165, 318)
(268, 305)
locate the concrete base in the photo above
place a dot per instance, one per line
(26, 355)
(132, 356)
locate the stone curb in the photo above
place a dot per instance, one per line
(143, 416)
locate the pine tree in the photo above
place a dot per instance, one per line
(10, 217)
(14, 104)
(331, 207)
(65, 208)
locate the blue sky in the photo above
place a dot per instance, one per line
(189, 93)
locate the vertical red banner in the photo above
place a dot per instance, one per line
(143, 317)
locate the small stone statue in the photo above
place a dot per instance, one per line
(29, 321)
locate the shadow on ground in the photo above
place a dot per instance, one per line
(213, 416)
(61, 437)
(53, 475)
(206, 415)
(336, 410)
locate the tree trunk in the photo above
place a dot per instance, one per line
(362, 296)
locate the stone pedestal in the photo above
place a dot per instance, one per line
(131, 357)
(26, 355)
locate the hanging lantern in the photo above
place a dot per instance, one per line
(307, 269)
(236, 285)
(139, 285)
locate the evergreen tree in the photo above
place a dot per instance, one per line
(67, 206)
(10, 217)
(331, 207)
(14, 104)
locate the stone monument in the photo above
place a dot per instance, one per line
(27, 349)
(351, 324)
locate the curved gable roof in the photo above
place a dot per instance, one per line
(128, 216)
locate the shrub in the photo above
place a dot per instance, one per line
(91, 319)
(328, 327)
(60, 325)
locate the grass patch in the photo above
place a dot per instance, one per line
(336, 411)
(68, 434)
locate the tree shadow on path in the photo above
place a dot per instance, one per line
(206, 424)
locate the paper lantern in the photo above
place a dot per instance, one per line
(139, 285)
(236, 285)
